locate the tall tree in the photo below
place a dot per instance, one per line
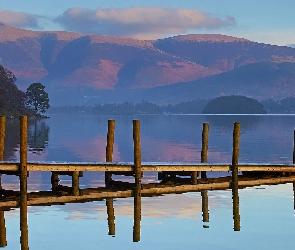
(11, 98)
(37, 98)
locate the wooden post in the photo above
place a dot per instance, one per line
(110, 149)
(2, 137)
(137, 190)
(54, 180)
(3, 241)
(137, 151)
(23, 183)
(204, 152)
(294, 147)
(294, 163)
(75, 183)
(205, 206)
(111, 215)
(235, 186)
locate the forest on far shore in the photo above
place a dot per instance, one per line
(284, 106)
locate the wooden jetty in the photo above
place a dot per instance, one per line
(136, 168)
(197, 181)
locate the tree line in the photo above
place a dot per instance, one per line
(127, 108)
(14, 102)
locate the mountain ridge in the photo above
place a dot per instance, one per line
(66, 62)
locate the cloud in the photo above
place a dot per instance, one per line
(19, 19)
(140, 22)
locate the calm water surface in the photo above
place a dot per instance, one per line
(172, 221)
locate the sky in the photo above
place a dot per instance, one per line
(265, 21)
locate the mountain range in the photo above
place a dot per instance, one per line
(89, 69)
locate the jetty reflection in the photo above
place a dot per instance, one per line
(116, 189)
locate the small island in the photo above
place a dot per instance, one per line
(234, 105)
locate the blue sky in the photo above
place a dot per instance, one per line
(264, 21)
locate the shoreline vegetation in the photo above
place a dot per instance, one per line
(35, 102)
(14, 102)
(285, 106)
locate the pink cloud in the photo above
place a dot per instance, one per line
(140, 22)
(19, 19)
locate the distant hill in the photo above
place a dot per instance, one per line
(258, 80)
(88, 69)
(65, 59)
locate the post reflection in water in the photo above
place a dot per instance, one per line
(3, 241)
(205, 207)
(111, 216)
(137, 213)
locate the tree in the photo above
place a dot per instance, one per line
(37, 98)
(11, 98)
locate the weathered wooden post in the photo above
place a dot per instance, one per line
(204, 152)
(294, 147)
(137, 151)
(110, 149)
(108, 175)
(23, 182)
(235, 169)
(2, 137)
(54, 180)
(75, 183)
(111, 215)
(294, 163)
(138, 172)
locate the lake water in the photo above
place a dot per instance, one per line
(170, 221)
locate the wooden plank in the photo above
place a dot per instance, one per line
(150, 166)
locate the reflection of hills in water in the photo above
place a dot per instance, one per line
(141, 208)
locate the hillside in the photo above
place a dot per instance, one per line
(258, 80)
(88, 69)
(100, 62)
